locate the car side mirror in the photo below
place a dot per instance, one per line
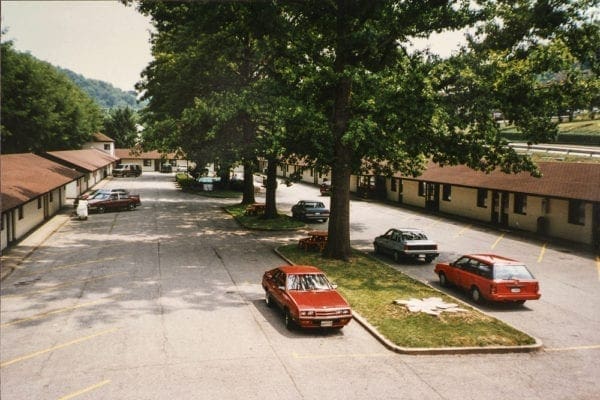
(333, 285)
(282, 288)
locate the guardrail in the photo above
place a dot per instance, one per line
(557, 149)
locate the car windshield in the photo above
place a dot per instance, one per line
(507, 272)
(101, 195)
(308, 282)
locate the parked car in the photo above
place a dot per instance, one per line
(306, 297)
(166, 168)
(113, 201)
(127, 170)
(94, 192)
(310, 210)
(490, 277)
(406, 242)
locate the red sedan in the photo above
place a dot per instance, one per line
(306, 297)
(490, 277)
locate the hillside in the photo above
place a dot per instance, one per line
(105, 94)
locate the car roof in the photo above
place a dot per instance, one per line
(493, 259)
(407, 230)
(299, 269)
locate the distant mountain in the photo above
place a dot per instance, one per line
(105, 94)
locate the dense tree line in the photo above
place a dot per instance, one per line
(42, 109)
(334, 82)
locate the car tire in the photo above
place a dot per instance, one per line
(287, 318)
(375, 249)
(268, 300)
(429, 259)
(475, 294)
(101, 210)
(519, 302)
(443, 279)
(396, 256)
(131, 206)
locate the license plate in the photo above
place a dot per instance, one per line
(326, 323)
(515, 290)
(317, 213)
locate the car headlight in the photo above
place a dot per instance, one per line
(307, 313)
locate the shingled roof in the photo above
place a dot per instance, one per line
(580, 181)
(87, 159)
(101, 137)
(27, 176)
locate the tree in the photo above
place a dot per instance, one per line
(208, 58)
(42, 109)
(121, 125)
(350, 96)
(390, 111)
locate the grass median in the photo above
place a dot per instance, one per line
(281, 223)
(371, 287)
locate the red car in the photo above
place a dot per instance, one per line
(490, 277)
(306, 296)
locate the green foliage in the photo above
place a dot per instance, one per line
(106, 95)
(333, 82)
(120, 125)
(42, 109)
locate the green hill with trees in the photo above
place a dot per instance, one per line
(106, 95)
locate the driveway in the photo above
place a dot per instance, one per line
(165, 302)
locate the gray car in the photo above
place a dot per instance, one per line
(310, 210)
(410, 242)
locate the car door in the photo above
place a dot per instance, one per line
(457, 270)
(276, 284)
(388, 242)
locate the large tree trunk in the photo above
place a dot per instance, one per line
(338, 243)
(248, 197)
(270, 197)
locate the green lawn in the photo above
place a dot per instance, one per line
(282, 223)
(371, 288)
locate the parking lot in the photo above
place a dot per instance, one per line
(165, 302)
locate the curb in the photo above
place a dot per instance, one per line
(439, 350)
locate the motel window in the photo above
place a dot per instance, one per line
(394, 185)
(39, 203)
(482, 195)
(51, 197)
(107, 147)
(21, 212)
(576, 212)
(447, 192)
(520, 206)
(422, 189)
(147, 162)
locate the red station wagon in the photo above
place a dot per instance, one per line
(306, 296)
(490, 277)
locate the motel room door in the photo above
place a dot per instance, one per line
(500, 208)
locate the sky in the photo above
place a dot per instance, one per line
(102, 40)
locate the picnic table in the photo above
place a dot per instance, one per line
(316, 240)
(255, 209)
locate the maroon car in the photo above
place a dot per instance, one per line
(113, 201)
(306, 297)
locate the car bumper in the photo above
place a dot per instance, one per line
(316, 217)
(509, 297)
(316, 323)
